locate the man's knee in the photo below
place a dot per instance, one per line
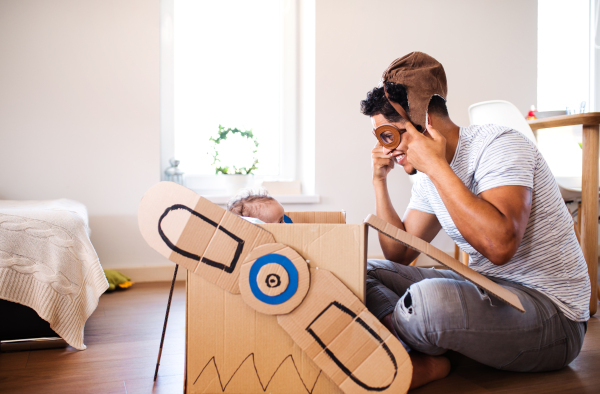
(428, 309)
(374, 265)
(378, 270)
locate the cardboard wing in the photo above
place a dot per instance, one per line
(345, 340)
(426, 248)
(197, 234)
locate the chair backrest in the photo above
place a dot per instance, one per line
(502, 113)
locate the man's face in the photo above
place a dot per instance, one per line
(398, 153)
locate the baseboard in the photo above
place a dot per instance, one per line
(155, 273)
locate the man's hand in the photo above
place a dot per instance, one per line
(382, 164)
(426, 152)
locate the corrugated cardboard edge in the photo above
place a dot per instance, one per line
(318, 217)
(365, 248)
(187, 313)
(426, 248)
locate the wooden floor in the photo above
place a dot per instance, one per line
(123, 336)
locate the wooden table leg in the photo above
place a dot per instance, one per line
(465, 258)
(589, 204)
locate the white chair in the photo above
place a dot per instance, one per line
(504, 113)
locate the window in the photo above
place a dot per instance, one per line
(565, 78)
(563, 54)
(240, 64)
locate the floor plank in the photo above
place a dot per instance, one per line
(166, 385)
(13, 361)
(469, 376)
(123, 337)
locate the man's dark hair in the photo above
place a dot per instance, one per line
(377, 103)
(437, 106)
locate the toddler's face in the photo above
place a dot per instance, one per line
(269, 212)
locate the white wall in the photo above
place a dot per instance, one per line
(79, 112)
(79, 97)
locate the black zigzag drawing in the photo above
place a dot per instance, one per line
(264, 387)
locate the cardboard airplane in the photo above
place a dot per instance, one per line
(322, 316)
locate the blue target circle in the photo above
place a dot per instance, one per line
(292, 272)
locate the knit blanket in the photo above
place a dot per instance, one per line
(48, 263)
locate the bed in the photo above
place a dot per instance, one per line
(47, 264)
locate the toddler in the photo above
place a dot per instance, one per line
(257, 207)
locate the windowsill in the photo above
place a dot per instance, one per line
(222, 199)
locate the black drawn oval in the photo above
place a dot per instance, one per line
(229, 268)
(340, 364)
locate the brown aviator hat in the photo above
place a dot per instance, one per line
(423, 77)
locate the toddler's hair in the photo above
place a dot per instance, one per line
(243, 203)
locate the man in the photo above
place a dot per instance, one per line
(491, 191)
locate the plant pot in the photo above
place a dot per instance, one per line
(236, 182)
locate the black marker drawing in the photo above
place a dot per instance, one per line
(273, 280)
(227, 268)
(264, 388)
(341, 365)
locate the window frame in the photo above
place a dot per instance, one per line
(296, 154)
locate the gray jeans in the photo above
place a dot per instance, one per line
(437, 310)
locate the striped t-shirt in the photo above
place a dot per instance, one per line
(549, 258)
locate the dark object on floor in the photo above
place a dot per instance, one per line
(21, 328)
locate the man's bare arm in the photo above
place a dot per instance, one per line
(420, 224)
(493, 222)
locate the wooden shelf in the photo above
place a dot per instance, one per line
(591, 119)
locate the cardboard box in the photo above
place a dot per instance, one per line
(234, 349)
(230, 347)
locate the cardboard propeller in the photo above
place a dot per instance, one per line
(322, 316)
(200, 236)
(274, 279)
(426, 248)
